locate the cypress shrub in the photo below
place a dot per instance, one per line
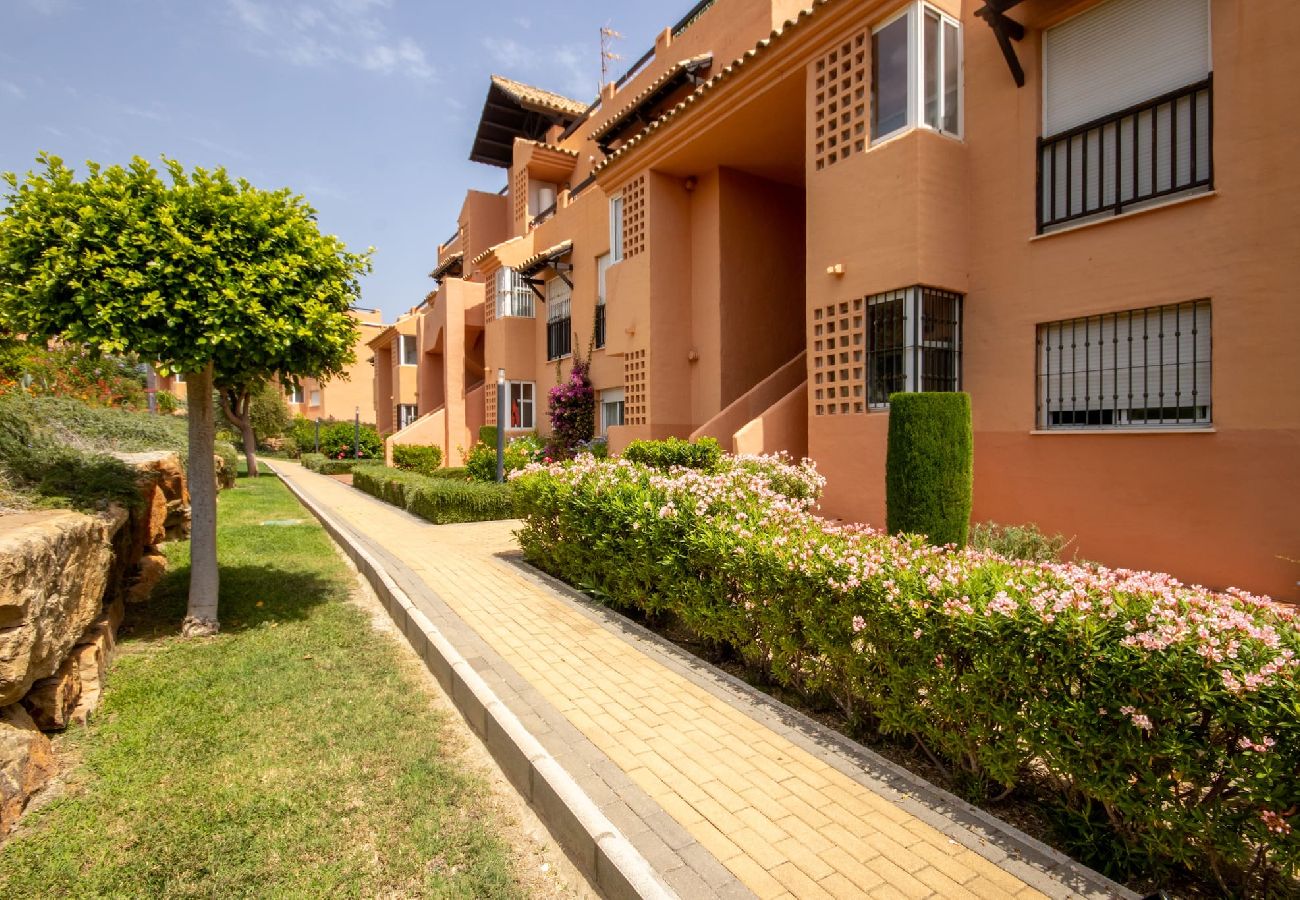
(929, 470)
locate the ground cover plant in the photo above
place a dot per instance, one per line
(440, 500)
(289, 756)
(1156, 721)
(53, 450)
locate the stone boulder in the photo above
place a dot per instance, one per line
(54, 568)
(165, 496)
(152, 567)
(51, 701)
(26, 764)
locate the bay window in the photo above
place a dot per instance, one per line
(514, 296)
(913, 343)
(916, 73)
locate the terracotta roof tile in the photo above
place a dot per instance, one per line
(527, 95)
(538, 260)
(668, 75)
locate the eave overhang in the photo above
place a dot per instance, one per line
(636, 113)
(453, 266)
(517, 110)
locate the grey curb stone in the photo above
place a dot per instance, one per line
(595, 844)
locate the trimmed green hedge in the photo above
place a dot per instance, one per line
(929, 469)
(318, 462)
(1156, 723)
(417, 458)
(440, 500)
(704, 454)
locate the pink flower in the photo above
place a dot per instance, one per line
(1274, 822)
(859, 623)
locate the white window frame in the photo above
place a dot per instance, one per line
(616, 228)
(915, 14)
(178, 378)
(515, 299)
(529, 405)
(407, 414)
(611, 397)
(404, 341)
(294, 394)
(315, 398)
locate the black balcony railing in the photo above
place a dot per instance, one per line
(600, 325)
(1149, 151)
(542, 216)
(559, 338)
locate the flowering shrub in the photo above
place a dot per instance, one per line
(73, 372)
(481, 462)
(572, 408)
(1162, 715)
(337, 440)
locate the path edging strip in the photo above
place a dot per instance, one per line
(594, 843)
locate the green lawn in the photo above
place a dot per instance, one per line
(289, 756)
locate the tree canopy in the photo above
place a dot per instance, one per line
(203, 269)
(201, 273)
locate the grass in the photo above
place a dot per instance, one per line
(290, 756)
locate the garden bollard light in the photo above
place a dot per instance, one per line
(356, 435)
(318, 434)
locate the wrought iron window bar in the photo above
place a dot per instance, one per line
(1142, 368)
(559, 338)
(600, 325)
(1154, 149)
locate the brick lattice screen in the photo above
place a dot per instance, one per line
(636, 404)
(634, 217)
(519, 195)
(839, 351)
(840, 102)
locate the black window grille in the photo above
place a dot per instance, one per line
(913, 342)
(559, 338)
(600, 325)
(1161, 147)
(1141, 368)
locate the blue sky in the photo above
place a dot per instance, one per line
(367, 107)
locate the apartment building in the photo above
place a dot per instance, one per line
(345, 397)
(395, 356)
(1079, 212)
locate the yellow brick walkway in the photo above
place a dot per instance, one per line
(784, 822)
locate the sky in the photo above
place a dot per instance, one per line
(366, 107)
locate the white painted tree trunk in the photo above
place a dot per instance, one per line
(201, 617)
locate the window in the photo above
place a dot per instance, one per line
(913, 343)
(178, 378)
(616, 228)
(315, 398)
(1143, 368)
(514, 296)
(521, 405)
(602, 269)
(541, 198)
(407, 413)
(409, 349)
(1127, 108)
(293, 393)
(916, 73)
(611, 409)
(559, 319)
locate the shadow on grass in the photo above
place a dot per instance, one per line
(251, 596)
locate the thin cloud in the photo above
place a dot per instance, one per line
(567, 68)
(332, 32)
(12, 90)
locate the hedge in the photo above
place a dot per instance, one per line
(440, 500)
(1158, 723)
(417, 458)
(704, 454)
(318, 462)
(929, 466)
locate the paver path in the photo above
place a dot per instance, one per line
(777, 816)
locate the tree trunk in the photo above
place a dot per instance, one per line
(201, 616)
(237, 404)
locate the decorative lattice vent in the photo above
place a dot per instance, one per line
(489, 399)
(519, 194)
(490, 298)
(840, 102)
(839, 351)
(636, 406)
(634, 217)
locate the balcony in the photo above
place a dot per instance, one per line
(1148, 152)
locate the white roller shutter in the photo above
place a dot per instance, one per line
(1120, 53)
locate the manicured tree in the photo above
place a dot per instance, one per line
(929, 467)
(204, 274)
